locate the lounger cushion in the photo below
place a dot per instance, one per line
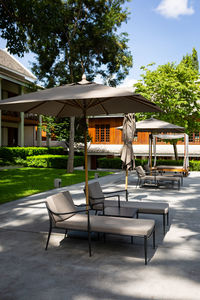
(143, 207)
(140, 171)
(121, 226)
(167, 178)
(57, 203)
(95, 191)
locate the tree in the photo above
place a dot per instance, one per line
(70, 38)
(60, 128)
(175, 89)
(191, 60)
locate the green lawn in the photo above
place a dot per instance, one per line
(22, 182)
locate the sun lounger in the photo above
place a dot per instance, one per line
(98, 202)
(156, 172)
(154, 179)
(64, 215)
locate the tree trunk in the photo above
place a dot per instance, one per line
(175, 150)
(70, 162)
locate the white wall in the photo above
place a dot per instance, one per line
(4, 136)
(29, 135)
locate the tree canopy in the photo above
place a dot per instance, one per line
(175, 88)
(68, 38)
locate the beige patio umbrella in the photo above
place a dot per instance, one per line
(155, 126)
(127, 155)
(79, 99)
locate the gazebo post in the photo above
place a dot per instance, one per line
(150, 154)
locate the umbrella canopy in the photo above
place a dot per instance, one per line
(83, 98)
(129, 127)
(153, 125)
(79, 99)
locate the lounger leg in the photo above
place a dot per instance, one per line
(89, 243)
(50, 229)
(179, 184)
(89, 234)
(164, 224)
(131, 240)
(126, 195)
(168, 219)
(145, 250)
(137, 182)
(65, 233)
(104, 237)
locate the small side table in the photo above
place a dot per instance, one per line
(124, 212)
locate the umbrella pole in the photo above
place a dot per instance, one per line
(86, 165)
(126, 184)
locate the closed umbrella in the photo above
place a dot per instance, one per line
(127, 155)
(79, 99)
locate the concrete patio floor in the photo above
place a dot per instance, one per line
(116, 270)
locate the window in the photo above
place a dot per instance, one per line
(102, 133)
(191, 138)
(135, 137)
(196, 137)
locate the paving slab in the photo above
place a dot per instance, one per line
(116, 269)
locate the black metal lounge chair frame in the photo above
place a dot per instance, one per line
(51, 213)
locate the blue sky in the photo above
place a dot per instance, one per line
(159, 31)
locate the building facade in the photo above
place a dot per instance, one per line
(16, 129)
(106, 140)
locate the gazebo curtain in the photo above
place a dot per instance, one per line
(174, 137)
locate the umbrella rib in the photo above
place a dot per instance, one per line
(147, 102)
(61, 110)
(36, 106)
(71, 104)
(98, 102)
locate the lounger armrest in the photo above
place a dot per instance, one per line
(119, 191)
(67, 213)
(111, 196)
(96, 203)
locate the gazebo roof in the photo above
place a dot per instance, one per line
(156, 126)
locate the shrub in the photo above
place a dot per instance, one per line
(169, 162)
(52, 161)
(109, 163)
(194, 165)
(10, 153)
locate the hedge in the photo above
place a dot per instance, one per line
(52, 161)
(116, 163)
(10, 153)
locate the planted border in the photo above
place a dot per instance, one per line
(52, 161)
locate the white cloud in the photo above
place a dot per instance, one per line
(174, 8)
(128, 84)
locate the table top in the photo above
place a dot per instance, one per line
(124, 212)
